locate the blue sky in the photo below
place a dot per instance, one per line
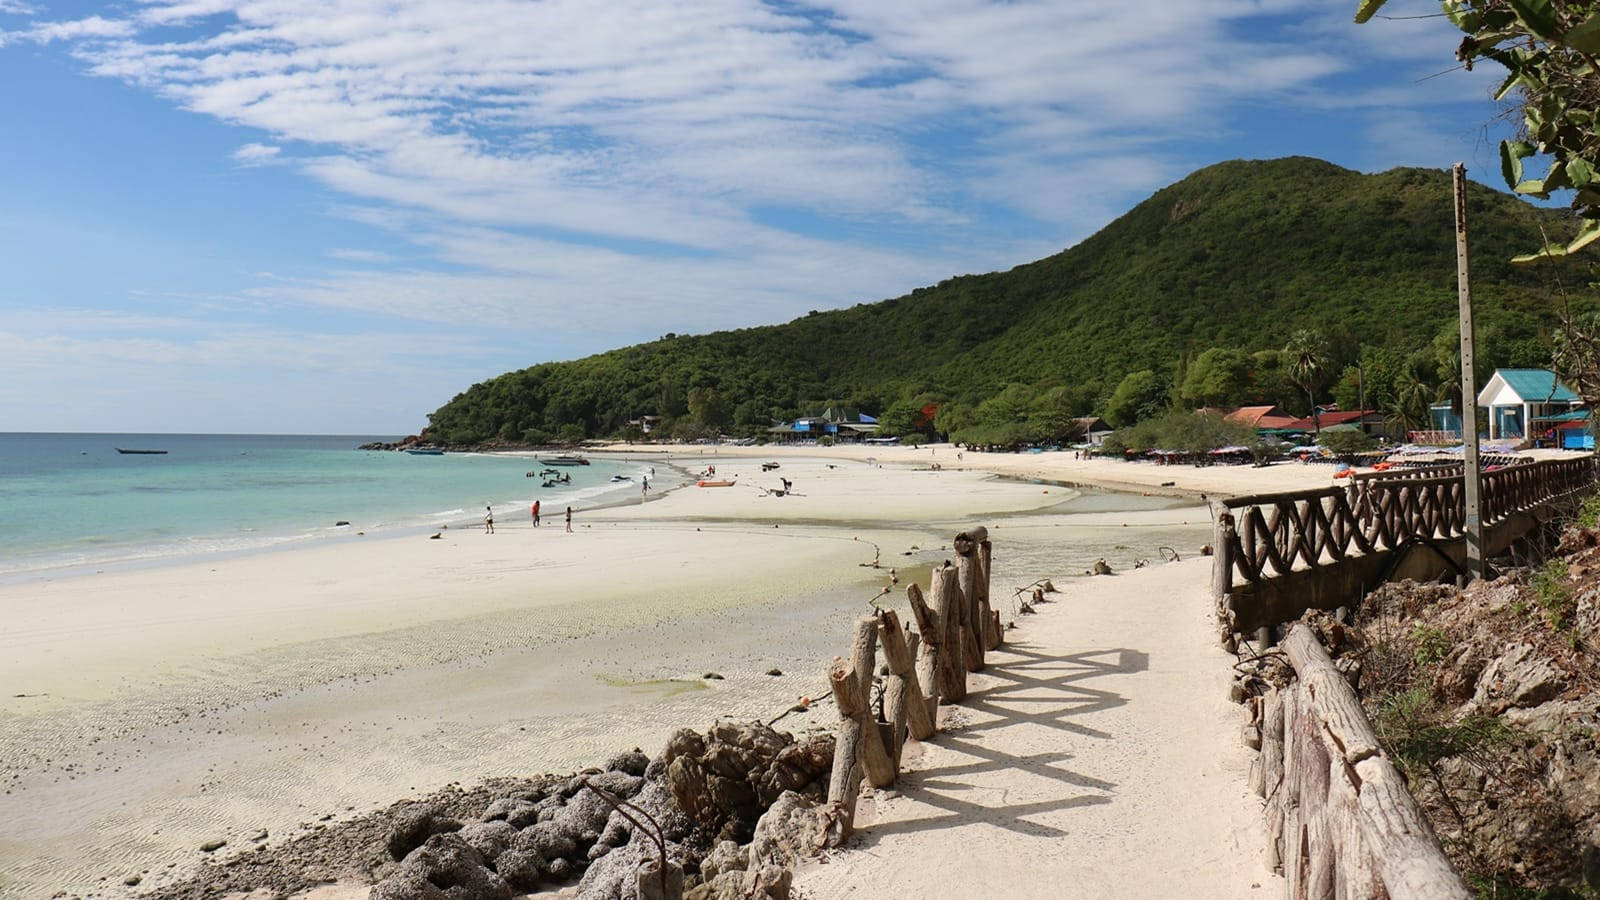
(333, 215)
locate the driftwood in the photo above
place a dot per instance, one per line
(858, 748)
(950, 676)
(932, 630)
(904, 704)
(1340, 820)
(969, 567)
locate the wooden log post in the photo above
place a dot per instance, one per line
(904, 704)
(1223, 538)
(1406, 854)
(974, 616)
(864, 657)
(858, 748)
(928, 663)
(997, 636)
(951, 675)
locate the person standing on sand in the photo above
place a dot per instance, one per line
(569, 520)
(536, 514)
(488, 520)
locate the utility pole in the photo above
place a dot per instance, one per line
(1469, 391)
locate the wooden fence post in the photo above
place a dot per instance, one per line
(947, 601)
(975, 615)
(929, 664)
(903, 702)
(858, 749)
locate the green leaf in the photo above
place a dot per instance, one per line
(1533, 187)
(1539, 16)
(1585, 38)
(1556, 178)
(1588, 234)
(1579, 171)
(1462, 14)
(1550, 251)
(1506, 86)
(1512, 153)
(1366, 10)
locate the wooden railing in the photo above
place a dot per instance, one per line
(1270, 535)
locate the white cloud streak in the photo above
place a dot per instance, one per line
(689, 166)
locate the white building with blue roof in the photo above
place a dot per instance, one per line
(1518, 400)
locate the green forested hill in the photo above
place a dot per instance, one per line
(1238, 255)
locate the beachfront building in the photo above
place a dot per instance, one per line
(1368, 420)
(838, 422)
(1522, 402)
(645, 424)
(1091, 430)
(1263, 418)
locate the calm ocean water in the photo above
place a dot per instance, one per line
(73, 500)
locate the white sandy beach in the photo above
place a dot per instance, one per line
(149, 711)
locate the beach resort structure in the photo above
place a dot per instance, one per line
(1525, 402)
(839, 422)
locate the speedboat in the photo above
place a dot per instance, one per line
(565, 461)
(424, 451)
(142, 452)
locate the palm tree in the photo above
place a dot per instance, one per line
(1412, 396)
(1307, 356)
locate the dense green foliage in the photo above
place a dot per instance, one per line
(1238, 256)
(1184, 432)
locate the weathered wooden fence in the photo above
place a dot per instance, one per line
(1340, 820)
(955, 629)
(1279, 554)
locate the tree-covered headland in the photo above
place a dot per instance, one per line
(1286, 281)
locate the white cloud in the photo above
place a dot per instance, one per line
(689, 166)
(90, 28)
(373, 257)
(256, 154)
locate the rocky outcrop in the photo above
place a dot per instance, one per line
(415, 825)
(445, 867)
(1519, 677)
(726, 779)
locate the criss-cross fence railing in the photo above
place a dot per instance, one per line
(1270, 535)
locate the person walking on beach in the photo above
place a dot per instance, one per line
(569, 520)
(488, 520)
(536, 514)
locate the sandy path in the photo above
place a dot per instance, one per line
(1097, 757)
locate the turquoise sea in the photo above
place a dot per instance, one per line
(71, 500)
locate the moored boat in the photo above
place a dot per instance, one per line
(424, 451)
(565, 461)
(141, 452)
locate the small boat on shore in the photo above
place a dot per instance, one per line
(565, 461)
(622, 478)
(425, 451)
(141, 452)
(715, 483)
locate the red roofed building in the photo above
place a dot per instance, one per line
(1368, 420)
(1262, 417)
